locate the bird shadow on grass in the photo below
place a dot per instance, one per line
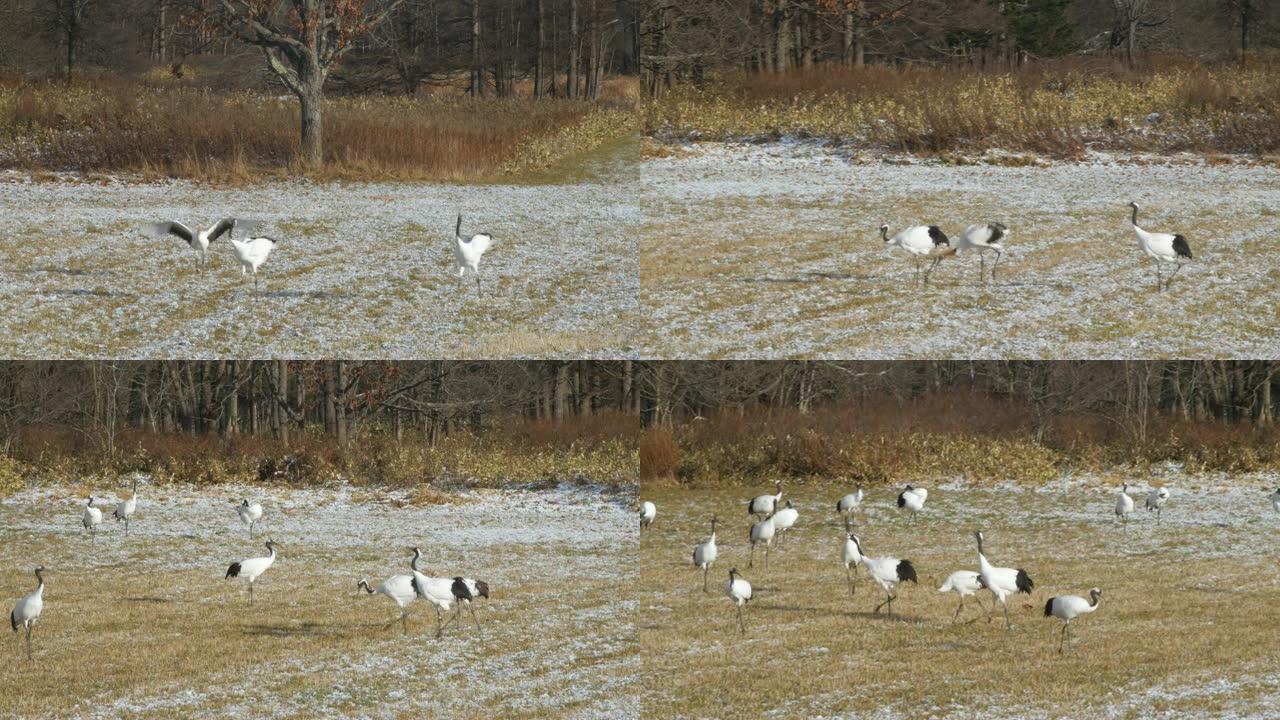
(806, 277)
(306, 629)
(70, 272)
(302, 294)
(81, 292)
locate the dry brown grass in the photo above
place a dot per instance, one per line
(1182, 629)
(147, 627)
(600, 449)
(1057, 108)
(968, 434)
(116, 124)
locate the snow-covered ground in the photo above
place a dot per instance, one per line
(558, 637)
(773, 250)
(359, 270)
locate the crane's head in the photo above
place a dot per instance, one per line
(1095, 594)
(364, 585)
(1133, 205)
(733, 573)
(977, 535)
(40, 571)
(884, 233)
(789, 503)
(271, 545)
(90, 501)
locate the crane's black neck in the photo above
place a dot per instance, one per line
(1135, 214)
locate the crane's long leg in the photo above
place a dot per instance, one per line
(705, 570)
(752, 559)
(848, 573)
(958, 609)
(1008, 624)
(250, 591)
(477, 274)
(1159, 277)
(404, 622)
(982, 268)
(439, 626)
(28, 641)
(1169, 282)
(999, 254)
(766, 555)
(741, 626)
(471, 609)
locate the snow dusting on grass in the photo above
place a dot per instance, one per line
(359, 270)
(557, 636)
(767, 251)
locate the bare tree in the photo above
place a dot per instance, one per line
(302, 41)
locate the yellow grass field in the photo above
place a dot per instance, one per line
(1187, 627)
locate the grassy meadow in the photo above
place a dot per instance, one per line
(1058, 109)
(1187, 625)
(153, 127)
(145, 626)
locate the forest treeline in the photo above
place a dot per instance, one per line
(692, 40)
(555, 48)
(881, 422)
(398, 423)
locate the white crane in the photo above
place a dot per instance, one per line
(401, 591)
(648, 511)
(1163, 248)
(912, 499)
(1002, 582)
(921, 241)
(91, 519)
(446, 593)
(126, 508)
(199, 241)
(850, 502)
(705, 553)
(251, 568)
(1069, 607)
(468, 251)
(784, 520)
(1156, 500)
(765, 504)
(250, 513)
(888, 571)
(965, 583)
(851, 557)
(739, 591)
(762, 532)
(252, 252)
(27, 611)
(984, 238)
(1124, 503)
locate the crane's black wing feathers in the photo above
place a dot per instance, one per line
(233, 571)
(938, 237)
(1181, 247)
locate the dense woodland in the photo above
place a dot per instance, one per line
(1244, 391)
(714, 423)
(559, 48)
(691, 40)
(284, 399)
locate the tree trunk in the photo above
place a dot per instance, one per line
(539, 52)
(782, 36)
(575, 54)
(1131, 42)
(310, 101)
(477, 70)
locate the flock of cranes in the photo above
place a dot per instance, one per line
(445, 594)
(252, 252)
(931, 243)
(888, 571)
